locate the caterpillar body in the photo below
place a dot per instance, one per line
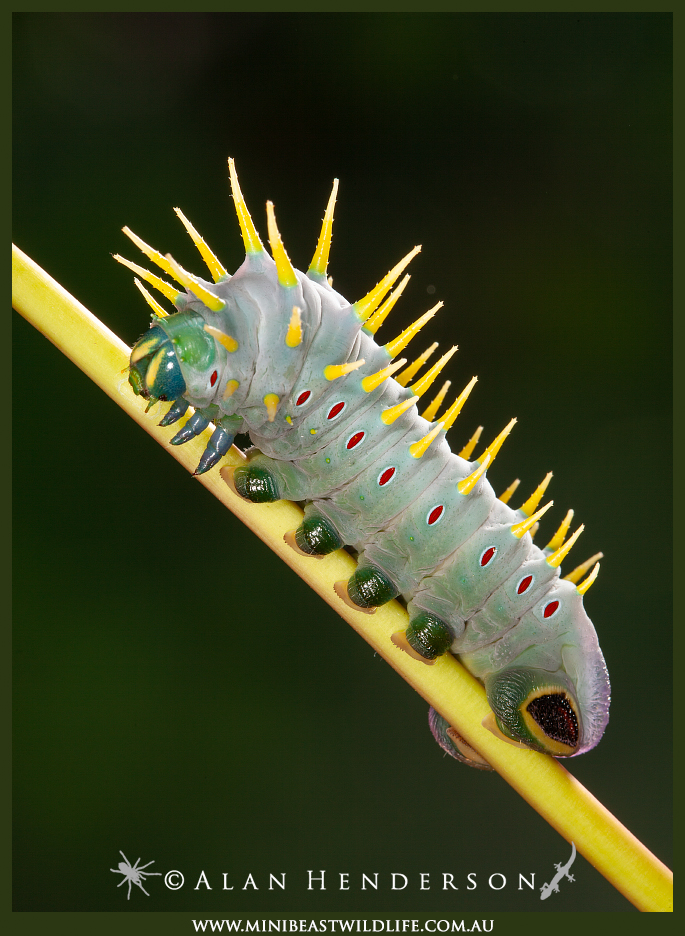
(283, 356)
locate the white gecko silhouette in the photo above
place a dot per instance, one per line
(562, 871)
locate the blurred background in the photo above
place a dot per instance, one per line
(179, 693)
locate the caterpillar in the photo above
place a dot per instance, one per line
(333, 419)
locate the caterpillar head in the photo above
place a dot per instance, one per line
(173, 357)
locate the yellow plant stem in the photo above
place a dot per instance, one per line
(446, 685)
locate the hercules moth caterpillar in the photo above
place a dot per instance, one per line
(333, 418)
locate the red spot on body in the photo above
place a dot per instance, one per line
(303, 397)
(336, 410)
(213, 378)
(435, 514)
(550, 609)
(524, 584)
(355, 439)
(488, 555)
(386, 476)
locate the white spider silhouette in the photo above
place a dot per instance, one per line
(133, 874)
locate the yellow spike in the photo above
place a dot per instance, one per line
(560, 535)
(231, 388)
(506, 497)
(373, 381)
(151, 301)
(409, 372)
(520, 529)
(165, 288)
(420, 387)
(583, 587)
(284, 268)
(533, 530)
(364, 307)
(271, 402)
(467, 484)
(389, 415)
(150, 252)
(580, 570)
(333, 371)
(294, 336)
(253, 244)
(435, 404)
(229, 343)
(467, 451)
(560, 554)
(197, 289)
(216, 268)
(379, 316)
(400, 343)
(530, 505)
(420, 447)
(456, 407)
(319, 263)
(495, 446)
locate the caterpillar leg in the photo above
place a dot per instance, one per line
(253, 483)
(426, 638)
(177, 409)
(367, 589)
(316, 536)
(219, 443)
(453, 744)
(264, 479)
(221, 439)
(195, 425)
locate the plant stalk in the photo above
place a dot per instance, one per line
(549, 788)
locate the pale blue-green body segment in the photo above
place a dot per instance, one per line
(435, 564)
(328, 469)
(362, 506)
(416, 546)
(460, 589)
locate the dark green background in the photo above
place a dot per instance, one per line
(180, 694)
